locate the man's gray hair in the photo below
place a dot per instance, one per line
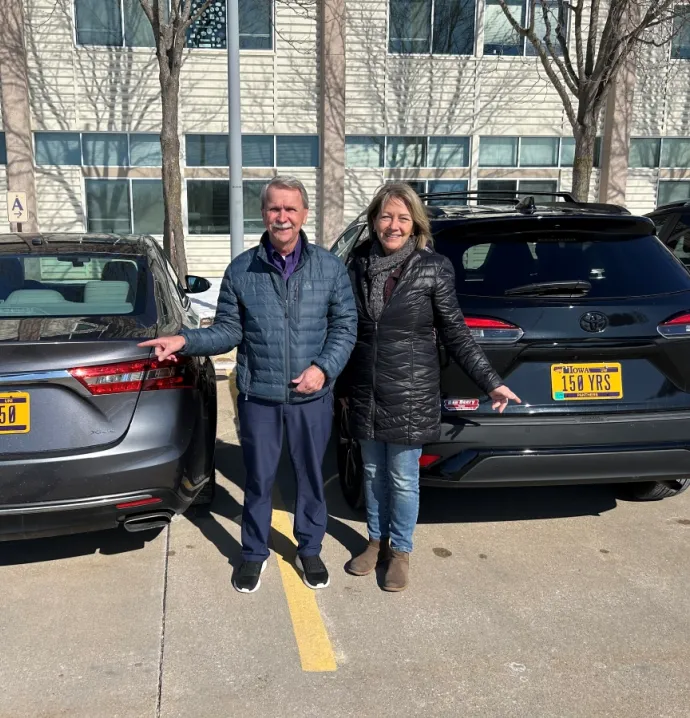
(285, 182)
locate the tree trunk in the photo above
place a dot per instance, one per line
(173, 230)
(585, 137)
(16, 114)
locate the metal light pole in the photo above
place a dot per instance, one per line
(234, 129)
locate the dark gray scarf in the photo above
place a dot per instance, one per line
(380, 267)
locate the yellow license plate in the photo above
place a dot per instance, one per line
(14, 413)
(586, 382)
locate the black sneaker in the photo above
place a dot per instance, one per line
(314, 573)
(247, 578)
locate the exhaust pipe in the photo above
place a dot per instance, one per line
(146, 522)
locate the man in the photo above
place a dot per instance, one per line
(288, 305)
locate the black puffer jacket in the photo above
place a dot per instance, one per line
(393, 376)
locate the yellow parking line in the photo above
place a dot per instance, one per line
(314, 646)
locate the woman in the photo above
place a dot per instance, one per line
(404, 293)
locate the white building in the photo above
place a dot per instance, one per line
(344, 94)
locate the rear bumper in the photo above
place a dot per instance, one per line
(523, 450)
(54, 518)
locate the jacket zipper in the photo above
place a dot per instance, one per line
(373, 380)
(288, 378)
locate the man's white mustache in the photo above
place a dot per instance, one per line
(281, 226)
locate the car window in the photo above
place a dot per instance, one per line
(661, 221)
(347, 241)
(78, 284)
(679, 244)
(637, 266)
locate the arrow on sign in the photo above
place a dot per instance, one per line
(17, 208)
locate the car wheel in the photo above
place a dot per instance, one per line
(655, 490)
(205, 496)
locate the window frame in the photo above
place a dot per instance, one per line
(123, 45)
(130, 199)
(432, 16)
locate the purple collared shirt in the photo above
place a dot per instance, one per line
(285, 265)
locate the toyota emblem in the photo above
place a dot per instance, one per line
(594, 322)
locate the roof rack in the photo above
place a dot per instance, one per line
(524, 201)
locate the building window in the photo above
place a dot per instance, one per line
(124, 206)
(406, 152)
(112, 23)
(145, 150)
(107, 206)
(675, 152)
(148, 209)
(105, 149)
(58, 148)
(498, 151)
(251, 195)
(449, 152)
(207, 150)
(256, 25)
(447, 186)
(444, 27)
(257, 151)
(297, 151)
(644, 153)
(3, 149)
(680, 43)
(557, 17)
(539, 151)
(673, 191)
(514, 189)
(364, 151)
(208, 206)
(499, 36)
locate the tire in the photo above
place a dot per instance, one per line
(656, 490)
(205, 496)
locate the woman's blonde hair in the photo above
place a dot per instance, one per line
(402, 191)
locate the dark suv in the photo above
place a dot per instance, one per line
(586, 315)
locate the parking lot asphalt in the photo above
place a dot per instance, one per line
(556, 601)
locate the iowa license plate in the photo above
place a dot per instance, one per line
(586, 382)
(14, 413)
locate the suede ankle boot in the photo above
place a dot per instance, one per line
(376, 552)
(397, 573)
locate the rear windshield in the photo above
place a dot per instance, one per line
(93, 287)
(620, 267)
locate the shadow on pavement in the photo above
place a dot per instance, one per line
(108, 543)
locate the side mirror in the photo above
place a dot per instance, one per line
(196, 285)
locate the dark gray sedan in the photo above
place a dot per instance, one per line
(94, 431)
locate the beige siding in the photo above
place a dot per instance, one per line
(296, 85)
(53, 77)
(60, 200)
(678, 99)
(360, 186)
(640, 194)
(366, 50)
(4, 225)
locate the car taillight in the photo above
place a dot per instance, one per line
(675, 327)
(427, 459)
(140, 375)
(493, 331)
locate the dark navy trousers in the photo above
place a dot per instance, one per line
(308, 428)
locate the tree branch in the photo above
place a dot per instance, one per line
(590, 56)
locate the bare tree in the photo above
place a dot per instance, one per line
(170, 28)
(604, 36)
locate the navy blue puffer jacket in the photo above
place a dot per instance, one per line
(281, 328)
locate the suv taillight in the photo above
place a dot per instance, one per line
(140, 375)
(676, 327)
(493, 331)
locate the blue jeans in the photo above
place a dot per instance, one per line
(391, 483)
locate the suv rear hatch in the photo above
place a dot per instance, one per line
(70, 368)
(590, 319)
